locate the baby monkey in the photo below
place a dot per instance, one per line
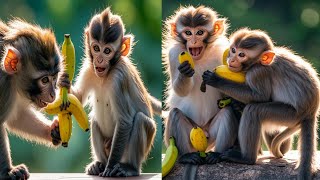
(282, 97)
(122, 128)
(30, 66)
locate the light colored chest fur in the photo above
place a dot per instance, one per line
(197, 105)
(100, 101)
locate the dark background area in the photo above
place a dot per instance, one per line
(142, 18)
(290, 23)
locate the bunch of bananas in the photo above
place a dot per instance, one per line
(170, 157)
(75, 108)
(185, 56)
(199, 140)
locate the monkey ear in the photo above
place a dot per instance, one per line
(126, 45)
(218, 27)
(173, 29)
(267, 57)
(11, 60)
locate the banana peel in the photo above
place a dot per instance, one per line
(185, 56)
(75, 107)
(170, 157)
(224, 72)
(199, 140)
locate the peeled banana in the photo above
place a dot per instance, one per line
(69, 61)
(65, 127)
(199, 140)
(224, 72)
(185, 56)
(75, 108)
(170, 158)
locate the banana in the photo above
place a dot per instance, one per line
(224, 72)
(65, 127)
(75, 108)
(185, 56)
(224, 57)
(170, 158)
(199, 140)
(68, 54)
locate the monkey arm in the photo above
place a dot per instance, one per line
(5, 160)
(156, 105)
(32, 125)
(241, 92)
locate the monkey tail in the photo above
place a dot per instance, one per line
(307, 148)
(278, 140)
(190, 172)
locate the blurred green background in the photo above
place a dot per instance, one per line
(290, 23)
(142, 18)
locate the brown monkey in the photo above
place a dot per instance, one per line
(121, 119)
(30, 64)
(281, 92)
(200, 32)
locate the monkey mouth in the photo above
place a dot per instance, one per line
(100, 71)
(42, 103)
(196, 52)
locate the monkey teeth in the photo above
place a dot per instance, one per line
(196, 51)
(99, 69)
(43, 104)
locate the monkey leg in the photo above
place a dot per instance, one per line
(98, 150)
(253, 117)
(7, 171)
(179, 126)
(223, 132)
(140, 143)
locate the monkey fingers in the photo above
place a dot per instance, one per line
(191, 158)
(95, 168)
(55, 133)
(64, 81)
(19, 172)
(210, 78)
(186, 69)
(123, 170)
(213, 158)
(234, 155)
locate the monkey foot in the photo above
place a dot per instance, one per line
(191, 158)
(120, 170)
(213, 158)
(234, 155)
(19, 172)
(95, 168)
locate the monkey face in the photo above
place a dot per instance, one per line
(195, 40)
(44, 90)
(102, 54)
(241, 59)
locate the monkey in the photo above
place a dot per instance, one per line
(123, 130)
(31, 69)
(199, 31)
(281, 93)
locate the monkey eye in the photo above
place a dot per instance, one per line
(96, 48)
(188, 33)
(200, 32)
(45, 80)
(233, 50)
(107, 51)
(241, 54)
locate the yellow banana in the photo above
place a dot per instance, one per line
(199, 140)
(170, 158)
(65, 127)
(185, 56)
(225, 56)
(224, 72)
(75, 108)
(68, 54)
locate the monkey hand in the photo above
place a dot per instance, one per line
(64, 84)
(186, 69)
(95, 168)
(211, 78)
(19, 172)
(120, 170)
(55, 133)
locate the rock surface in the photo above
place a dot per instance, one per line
(266, 168)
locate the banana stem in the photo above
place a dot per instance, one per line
(203, 154)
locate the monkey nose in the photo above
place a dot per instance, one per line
(52, 96)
